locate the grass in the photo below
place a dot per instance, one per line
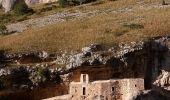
(40, 10)
(107, 29)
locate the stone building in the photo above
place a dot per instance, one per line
(100, 83)
(111, 89)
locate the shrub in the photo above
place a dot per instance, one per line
(38, 76)
(46, 9)
(21, 8)
(120, 32)
(134, 26)
(63, 3)
(3, 29)
(163, 2)
(5, 18)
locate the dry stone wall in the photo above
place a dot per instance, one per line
(118, 89)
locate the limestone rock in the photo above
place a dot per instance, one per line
(31, 2)
(92, 48)
(133, 95)
(43, 55)
(7, 4)
(4, 72)
(163, 80)
(47, 1)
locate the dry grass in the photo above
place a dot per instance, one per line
(107, 29)
(40, 10)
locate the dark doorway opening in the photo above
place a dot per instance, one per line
(84, 91)
(113, 89)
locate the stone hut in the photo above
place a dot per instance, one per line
(112, 89)
(95, 86)
(100, 82)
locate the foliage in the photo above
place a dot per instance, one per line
(163, 2)
(3, 29)
(5, 18)
(46, 9)
(21, 8)
(63, 3)
(38, 76)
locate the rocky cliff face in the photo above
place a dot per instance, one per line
(148, 60)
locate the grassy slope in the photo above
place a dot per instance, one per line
(107, 29)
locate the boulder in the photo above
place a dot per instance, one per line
(31, 2)
(92, 48)
(163, 79)
(7, 4)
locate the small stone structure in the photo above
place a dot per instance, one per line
(112, 89)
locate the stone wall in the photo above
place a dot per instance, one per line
(119, 89)
(130, 87)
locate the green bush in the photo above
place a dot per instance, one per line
(21, 8)
(63, 3)
(3, 29)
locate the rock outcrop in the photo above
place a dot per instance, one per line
(134, 60)
(163, 80)
(7, 4)
(150, 95)
(47, 1)
(31, 2)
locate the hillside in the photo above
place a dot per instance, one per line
(112, 49)
(105, 22)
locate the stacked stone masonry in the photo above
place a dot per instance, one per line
(112, 89)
